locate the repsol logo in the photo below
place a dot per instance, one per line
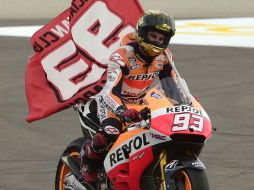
(144, 76)
(124, 151)
(182, 108)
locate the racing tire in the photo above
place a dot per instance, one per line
(191, 179)
(184, 179)
(73, 150)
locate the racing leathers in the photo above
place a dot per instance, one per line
(129, 76)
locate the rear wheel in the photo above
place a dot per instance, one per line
(191, 179)
(73, 150)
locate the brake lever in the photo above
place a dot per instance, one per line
(145, 113)
(145, 124)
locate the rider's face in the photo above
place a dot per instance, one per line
(156, 37)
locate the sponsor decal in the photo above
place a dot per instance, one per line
(171, 166)
(157, 136)
(111, 78)
(132, 60)
(123, 152)
(111, 130)
(128, 93)
(155, 95)
(102, 109)
(116, 57)
(144, 76)
(159, 65)
(139, 156)
(112, 68)
(198, 164)
(133, 63)
(111, 103)
(113, 72)
(133, 67)
(109, 108)
(161, 57)
(184, 108)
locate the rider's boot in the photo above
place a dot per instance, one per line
(92, 156)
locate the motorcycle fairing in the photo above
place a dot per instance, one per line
(130, 155)
(164, 113)
(127, 176)
(132, 152)
(131, 142)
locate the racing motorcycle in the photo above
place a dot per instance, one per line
(161, 152)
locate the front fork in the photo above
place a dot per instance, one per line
(168, 170)
(163, 162)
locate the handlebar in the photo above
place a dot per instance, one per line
(145, 113)
(145, 122)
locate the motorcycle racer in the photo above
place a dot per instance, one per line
(132, 69)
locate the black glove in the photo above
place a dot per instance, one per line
(128, 115)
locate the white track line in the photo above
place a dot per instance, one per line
(233, 32)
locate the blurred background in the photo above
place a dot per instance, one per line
(35, 9)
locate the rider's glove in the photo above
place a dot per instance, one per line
(128, 115)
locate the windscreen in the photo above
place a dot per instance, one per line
(176, 89)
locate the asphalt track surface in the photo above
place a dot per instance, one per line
(221, 76)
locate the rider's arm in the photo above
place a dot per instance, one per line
(166, 72)
(167, 69)
(112, 89)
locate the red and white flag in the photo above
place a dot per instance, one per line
(70, 52)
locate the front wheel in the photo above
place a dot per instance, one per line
(191, 179)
